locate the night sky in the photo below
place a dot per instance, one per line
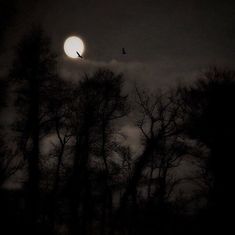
(166, 41)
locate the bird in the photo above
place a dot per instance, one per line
(123, 51)
(79, 55)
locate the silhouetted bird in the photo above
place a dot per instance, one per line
(79, 55)
(123, 51)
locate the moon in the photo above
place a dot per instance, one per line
(72, 45)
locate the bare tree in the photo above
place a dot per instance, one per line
(159, 123)
(97, 103)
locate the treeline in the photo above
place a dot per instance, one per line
(77, 172)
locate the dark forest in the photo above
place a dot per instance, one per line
(68, 167)
(89, 182)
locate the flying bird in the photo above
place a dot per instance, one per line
(79, 55)
(123, 51)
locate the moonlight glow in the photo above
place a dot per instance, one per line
(72, 45)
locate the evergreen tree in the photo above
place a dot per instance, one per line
(33, 71)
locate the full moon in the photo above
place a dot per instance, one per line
(72, 45)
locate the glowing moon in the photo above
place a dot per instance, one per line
(72, 45)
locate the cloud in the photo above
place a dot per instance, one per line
(132, 138)
(151, 75)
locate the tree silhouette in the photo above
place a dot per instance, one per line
(98, 104)
(209, 105)
(8, 162)
(159, 121)
(57, 123)
(34, 68)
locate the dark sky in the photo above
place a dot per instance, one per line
(166, 40)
